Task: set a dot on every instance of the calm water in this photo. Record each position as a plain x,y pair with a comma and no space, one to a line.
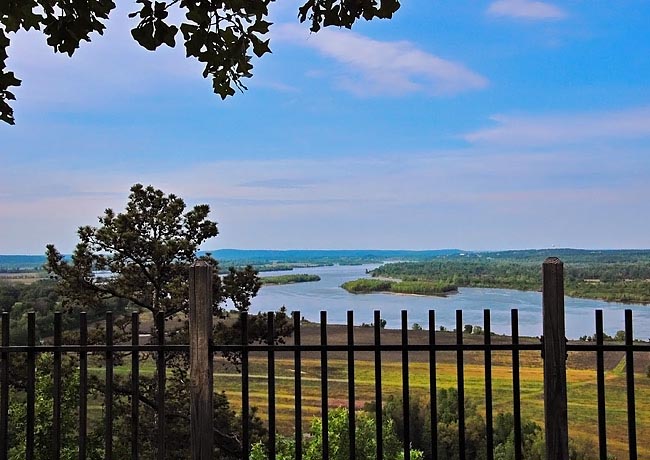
311,298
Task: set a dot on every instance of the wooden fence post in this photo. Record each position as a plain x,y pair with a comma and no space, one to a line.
554,354
201,424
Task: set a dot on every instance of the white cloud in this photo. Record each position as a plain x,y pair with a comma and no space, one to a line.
535,131
526,9
372,67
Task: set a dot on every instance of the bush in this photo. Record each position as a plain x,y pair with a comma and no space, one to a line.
366,443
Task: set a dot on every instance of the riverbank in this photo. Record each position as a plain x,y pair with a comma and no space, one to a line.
595,278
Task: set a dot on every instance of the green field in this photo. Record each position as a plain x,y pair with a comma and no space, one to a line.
582,393
583,421
581,376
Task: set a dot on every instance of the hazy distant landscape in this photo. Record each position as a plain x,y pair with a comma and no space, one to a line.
612,275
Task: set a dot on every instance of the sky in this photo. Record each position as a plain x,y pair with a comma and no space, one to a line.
468,124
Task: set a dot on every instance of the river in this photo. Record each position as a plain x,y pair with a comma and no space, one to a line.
326,294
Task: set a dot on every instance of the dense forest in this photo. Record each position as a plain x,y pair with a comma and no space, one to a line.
622,276
43,298
289,279
417,287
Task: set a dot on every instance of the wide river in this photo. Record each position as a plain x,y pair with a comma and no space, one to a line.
326,294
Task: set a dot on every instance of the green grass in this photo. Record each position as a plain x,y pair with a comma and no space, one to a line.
583,418
581,392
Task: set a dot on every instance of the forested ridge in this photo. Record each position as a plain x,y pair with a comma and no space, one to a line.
622,276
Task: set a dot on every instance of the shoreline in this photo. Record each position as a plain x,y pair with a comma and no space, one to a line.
567,293
443,294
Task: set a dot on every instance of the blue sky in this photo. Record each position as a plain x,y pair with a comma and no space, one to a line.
470,124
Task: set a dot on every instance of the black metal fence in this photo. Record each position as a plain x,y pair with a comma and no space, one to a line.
553,348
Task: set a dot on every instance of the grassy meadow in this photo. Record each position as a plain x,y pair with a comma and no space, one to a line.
583,418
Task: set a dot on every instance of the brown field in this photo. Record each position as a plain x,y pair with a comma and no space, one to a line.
23,278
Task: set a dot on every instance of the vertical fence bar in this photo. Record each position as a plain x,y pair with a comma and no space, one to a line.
629,372
271,386
378,398
554,354
460,373
324,387
83,384
245,401
56,384
406,404
4,391
600,377
352,426
161,377
516,387
433,386
108,389
297,365
31,385
487,340
135,385
201,384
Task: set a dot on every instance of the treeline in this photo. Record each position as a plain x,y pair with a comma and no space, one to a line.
289,279
419,287
597,279
43,298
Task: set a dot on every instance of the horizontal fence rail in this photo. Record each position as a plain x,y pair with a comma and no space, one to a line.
202,353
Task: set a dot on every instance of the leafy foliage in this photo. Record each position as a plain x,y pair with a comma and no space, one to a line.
147,251
65,24
144,254
43,406
290,279
532,436
222,35
364,286
43,298
338,440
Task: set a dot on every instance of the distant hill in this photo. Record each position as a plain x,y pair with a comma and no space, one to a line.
21,262
568,255
266,257
312,256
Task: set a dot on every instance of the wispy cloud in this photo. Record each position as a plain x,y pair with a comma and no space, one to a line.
441,198
526,9
372,67
535,131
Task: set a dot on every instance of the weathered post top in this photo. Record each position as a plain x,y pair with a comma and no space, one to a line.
553,260
200,263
